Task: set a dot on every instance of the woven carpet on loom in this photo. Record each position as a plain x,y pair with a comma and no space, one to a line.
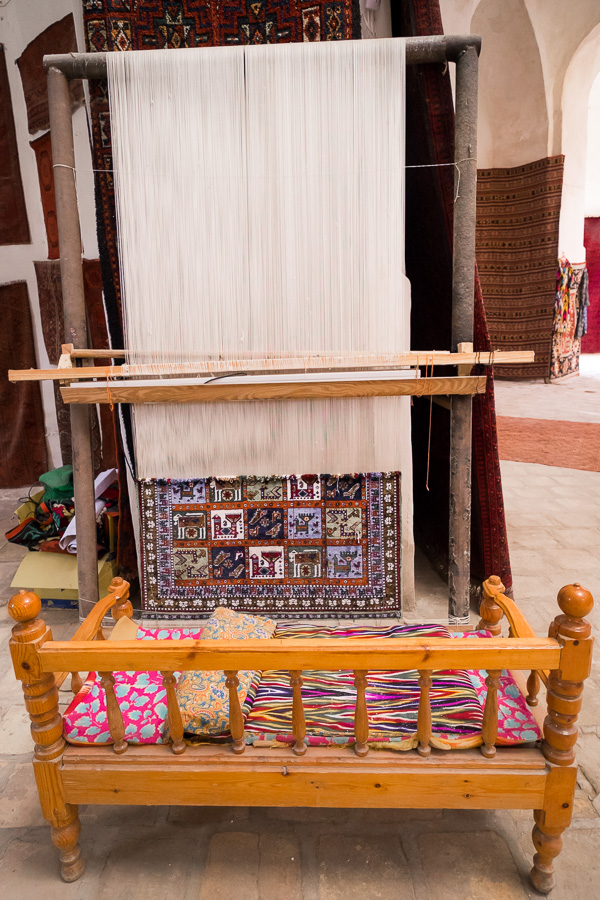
518,212
307,546
590,343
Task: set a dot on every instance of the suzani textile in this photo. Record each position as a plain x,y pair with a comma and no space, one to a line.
300,545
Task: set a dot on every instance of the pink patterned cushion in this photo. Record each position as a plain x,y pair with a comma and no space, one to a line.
141,697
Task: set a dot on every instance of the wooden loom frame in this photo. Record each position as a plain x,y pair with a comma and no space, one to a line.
464,52
541,777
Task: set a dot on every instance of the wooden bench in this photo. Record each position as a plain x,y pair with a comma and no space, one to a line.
540,777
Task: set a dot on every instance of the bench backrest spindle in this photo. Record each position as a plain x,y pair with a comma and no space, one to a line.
236,718
424,714
361,714
173,713
116,725
298,720
533,688
489,731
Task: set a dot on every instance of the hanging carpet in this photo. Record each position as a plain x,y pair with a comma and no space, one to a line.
590,343
518,211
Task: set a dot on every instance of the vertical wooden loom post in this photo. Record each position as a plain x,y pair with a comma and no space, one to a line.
361,714
236,719
463,292
565,690
41,701
298,720
67,212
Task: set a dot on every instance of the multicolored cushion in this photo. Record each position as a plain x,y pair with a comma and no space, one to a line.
204,696
141,697
457,700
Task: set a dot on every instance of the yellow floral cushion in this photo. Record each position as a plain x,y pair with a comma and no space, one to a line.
203,696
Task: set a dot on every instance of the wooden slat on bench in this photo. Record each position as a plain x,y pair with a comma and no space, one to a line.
331,654
332,778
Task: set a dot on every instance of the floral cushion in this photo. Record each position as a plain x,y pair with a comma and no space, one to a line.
141,697
204,696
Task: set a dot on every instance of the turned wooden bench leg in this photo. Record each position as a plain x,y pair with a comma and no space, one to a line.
565,690
41,701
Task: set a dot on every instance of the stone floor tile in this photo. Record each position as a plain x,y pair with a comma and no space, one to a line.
361,866
470,866
15,736
588,757
212,816
279,870
30,870
19,801
232,867
151,863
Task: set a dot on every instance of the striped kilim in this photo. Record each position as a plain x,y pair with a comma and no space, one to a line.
518,212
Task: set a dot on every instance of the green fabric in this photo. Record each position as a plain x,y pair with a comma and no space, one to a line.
58,483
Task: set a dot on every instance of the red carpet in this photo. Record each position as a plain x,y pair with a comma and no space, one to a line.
591,342
572,445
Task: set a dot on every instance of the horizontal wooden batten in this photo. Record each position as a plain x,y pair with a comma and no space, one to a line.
163,392
312,362
331,655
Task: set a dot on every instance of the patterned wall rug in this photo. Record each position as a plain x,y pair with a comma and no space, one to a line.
518,211
308,546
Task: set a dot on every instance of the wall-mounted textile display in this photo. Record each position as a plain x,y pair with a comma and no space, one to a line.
308,546
518,211
590,342
42,148
429,211
23,455
14,227
57,38
570,318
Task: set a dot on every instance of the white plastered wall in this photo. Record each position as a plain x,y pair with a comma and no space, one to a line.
592,180
20,22
535,92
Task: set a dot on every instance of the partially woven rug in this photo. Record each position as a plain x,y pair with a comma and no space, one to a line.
518,212
308,546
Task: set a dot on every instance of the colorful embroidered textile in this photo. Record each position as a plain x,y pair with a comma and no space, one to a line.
568,306
141,697
518,211
14,227
299,545
203,697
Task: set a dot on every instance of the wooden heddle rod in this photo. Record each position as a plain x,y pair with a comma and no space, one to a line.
461,50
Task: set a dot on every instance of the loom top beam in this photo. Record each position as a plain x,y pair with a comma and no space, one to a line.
434,49
282,365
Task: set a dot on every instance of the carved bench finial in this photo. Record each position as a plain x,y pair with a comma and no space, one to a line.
122,606
489,610
24,607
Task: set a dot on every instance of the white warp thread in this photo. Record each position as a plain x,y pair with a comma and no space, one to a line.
260,207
